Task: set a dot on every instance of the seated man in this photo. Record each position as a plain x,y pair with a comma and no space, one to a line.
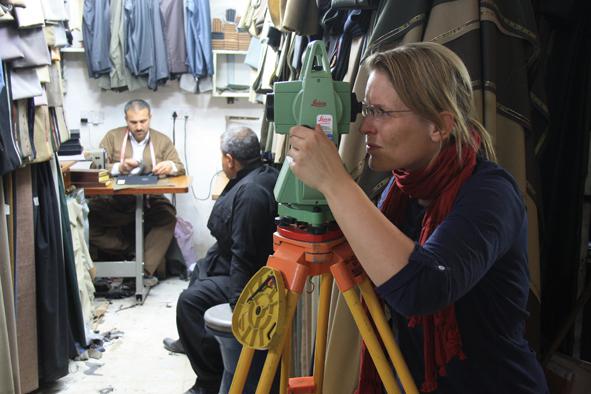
133,149
242,222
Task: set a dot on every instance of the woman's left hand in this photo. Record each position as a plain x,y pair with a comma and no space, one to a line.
314,158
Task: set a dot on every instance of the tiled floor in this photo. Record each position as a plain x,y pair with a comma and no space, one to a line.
136,362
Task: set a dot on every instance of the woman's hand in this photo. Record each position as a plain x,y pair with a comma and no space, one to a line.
314,158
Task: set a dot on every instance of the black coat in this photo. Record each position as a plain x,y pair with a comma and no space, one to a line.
243,222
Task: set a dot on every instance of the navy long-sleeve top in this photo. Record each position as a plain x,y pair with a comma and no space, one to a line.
477,259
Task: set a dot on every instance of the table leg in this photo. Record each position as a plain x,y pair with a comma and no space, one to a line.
139,248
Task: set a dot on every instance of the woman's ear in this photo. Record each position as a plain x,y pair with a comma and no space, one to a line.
443,133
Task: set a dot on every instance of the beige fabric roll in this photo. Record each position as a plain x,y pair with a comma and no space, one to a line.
26,297
43,74
8,344
23,138
42,135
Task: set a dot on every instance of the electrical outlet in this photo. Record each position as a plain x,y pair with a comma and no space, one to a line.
183,112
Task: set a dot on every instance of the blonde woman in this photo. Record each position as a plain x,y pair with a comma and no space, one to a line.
447,246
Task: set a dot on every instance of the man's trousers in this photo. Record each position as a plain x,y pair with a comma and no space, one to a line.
112,228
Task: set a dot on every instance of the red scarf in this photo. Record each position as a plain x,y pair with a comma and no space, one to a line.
439,183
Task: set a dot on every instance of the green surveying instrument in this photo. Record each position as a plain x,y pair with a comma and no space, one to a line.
314,99
308,243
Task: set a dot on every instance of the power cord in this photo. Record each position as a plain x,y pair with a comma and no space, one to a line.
187,165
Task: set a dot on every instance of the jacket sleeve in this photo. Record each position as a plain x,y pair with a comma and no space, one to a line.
169,152
488,219
252,236
108,144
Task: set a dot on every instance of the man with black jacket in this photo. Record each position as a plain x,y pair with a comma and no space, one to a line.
242,222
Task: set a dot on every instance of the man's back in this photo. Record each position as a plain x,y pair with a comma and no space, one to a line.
242,222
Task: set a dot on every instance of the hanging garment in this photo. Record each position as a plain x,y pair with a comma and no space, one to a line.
31,42
300,16
174,35
8,344
75,316
55,35
55,340
356,25
54,10
62,126
198,36
84,264
26,303
43,74
145,52
25,83
54,89
97,36
30,16
9,50
120,78
6,377
22,130
42,134
5,14
10,157
75,11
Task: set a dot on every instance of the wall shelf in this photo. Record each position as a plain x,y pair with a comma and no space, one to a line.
72,50
229,69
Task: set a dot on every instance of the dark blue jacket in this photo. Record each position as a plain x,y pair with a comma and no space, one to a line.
477,259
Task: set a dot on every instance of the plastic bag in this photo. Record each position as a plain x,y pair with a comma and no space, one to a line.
183,232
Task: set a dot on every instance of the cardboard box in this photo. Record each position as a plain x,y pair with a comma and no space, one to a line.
217,44
229,27
231,45
216,24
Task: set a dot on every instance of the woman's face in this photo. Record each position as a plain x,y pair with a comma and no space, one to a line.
395,140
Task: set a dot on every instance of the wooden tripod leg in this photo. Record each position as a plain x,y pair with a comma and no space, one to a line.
321,330
275,352
377,314
241,372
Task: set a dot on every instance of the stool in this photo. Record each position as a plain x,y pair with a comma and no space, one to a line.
218,322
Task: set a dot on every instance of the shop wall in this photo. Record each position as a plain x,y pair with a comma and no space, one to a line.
207,119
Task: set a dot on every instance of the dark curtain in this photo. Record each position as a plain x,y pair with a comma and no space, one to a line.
55,339
562,154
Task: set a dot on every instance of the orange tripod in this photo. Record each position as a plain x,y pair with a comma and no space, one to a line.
264,313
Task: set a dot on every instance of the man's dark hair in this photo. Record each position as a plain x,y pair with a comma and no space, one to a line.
137,105
242,144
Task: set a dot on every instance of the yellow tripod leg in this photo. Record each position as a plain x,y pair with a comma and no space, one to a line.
242,368
321,330
371,341
285,363
275,352
377,313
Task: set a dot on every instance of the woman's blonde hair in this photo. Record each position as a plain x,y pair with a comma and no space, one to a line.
430,78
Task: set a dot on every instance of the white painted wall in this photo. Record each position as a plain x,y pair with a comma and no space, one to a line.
207,120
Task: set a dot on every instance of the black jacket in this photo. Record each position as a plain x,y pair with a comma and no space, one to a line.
243,222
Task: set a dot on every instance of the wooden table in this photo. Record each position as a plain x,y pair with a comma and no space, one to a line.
178,184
